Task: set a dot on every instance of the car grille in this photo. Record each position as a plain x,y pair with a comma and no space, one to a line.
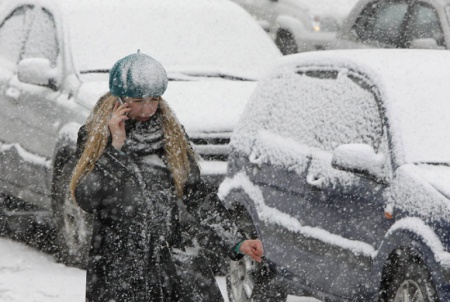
211,146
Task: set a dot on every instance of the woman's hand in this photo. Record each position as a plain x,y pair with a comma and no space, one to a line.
117,125
252,248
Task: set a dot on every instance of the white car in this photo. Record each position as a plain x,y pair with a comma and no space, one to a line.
54,62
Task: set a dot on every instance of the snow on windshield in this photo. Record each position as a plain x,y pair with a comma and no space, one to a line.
410,84
344,113
226,40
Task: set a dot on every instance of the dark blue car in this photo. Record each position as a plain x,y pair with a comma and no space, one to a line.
341,165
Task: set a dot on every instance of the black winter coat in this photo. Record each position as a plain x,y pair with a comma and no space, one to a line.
138,252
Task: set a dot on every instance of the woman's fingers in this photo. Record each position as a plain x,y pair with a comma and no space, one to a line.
117,126
116,121
253,248
119,114
123,109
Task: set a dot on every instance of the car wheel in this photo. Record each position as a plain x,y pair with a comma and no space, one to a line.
286,42
244,286
411,282
73,225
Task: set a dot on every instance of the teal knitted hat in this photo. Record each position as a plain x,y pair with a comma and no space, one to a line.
136,76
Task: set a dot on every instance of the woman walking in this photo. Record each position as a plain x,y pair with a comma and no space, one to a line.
135,163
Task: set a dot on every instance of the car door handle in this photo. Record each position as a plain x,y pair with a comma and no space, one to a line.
255,159
13,93
316,181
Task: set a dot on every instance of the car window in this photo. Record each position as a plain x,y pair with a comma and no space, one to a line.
349,111
13,33
382,22
42,40
322,109
425,23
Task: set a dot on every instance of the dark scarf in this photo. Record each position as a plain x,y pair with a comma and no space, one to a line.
144,138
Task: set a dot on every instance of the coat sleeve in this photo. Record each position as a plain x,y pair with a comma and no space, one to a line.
211,214
101,187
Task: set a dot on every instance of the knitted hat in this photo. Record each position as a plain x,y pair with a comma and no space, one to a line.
136,76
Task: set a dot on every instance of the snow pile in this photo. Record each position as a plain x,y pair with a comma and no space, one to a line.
69,131
25,155
27,275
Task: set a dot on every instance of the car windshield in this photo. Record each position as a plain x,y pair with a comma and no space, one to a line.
226,42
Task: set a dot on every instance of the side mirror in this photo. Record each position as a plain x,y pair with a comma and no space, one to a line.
37,71
425,43
360,159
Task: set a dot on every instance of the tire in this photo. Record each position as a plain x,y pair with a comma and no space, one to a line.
73,225
286,42
244,286
411,281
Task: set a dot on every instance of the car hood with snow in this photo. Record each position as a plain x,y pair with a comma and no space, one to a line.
423,189
208,105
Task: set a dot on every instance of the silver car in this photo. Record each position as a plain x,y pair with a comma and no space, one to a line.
396,24
295,25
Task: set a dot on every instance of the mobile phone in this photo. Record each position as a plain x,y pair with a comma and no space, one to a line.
121,102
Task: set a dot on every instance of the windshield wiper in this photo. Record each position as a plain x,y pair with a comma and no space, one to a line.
434,163
218,75
95,71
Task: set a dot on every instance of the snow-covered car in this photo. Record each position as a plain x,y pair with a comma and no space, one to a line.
54,62
396,24
341,165
299,25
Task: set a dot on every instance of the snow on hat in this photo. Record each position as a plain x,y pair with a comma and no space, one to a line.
136,76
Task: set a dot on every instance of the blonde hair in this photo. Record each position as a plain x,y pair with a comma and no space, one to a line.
177,149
